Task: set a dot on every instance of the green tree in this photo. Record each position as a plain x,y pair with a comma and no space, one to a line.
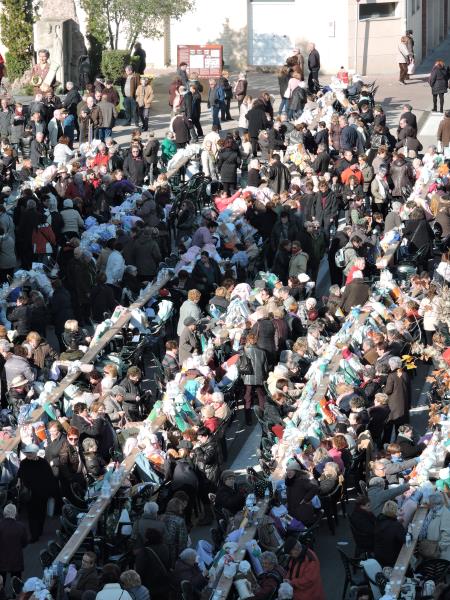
16,32
134,18
96,32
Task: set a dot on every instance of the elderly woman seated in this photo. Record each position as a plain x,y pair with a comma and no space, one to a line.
271,577
389,535
187,569
434,537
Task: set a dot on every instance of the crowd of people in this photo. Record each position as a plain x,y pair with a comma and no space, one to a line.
268,271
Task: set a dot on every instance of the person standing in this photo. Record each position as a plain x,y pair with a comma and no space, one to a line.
314,67
13,539
438,81
144,99
35,475
182,74
240,88
129,91
403,58
109,115
140,52
196,110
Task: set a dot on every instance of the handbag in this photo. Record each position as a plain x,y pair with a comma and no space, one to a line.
428,549
411,67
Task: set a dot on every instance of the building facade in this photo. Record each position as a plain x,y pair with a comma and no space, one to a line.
358,34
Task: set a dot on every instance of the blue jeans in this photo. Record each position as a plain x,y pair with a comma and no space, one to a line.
284,105
215,113
104,132
131,113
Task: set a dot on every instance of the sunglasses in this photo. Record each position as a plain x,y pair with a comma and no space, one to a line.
72,438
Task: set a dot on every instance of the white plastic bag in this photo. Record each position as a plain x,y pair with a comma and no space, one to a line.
411,67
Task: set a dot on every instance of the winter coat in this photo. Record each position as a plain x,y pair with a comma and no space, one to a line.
7,252
109,113
147,212
17,128
209,164
300,491
70,463
52,451
229,498
188,344
304,576
362,523
403,53
181,129
438,80
112,409
408,447
265,332
206,459
13,539
314,60
177,534
279,177
228,163
401,175
326,209
356,293
135,169
113,591
146,255
72,221
443,133
60,308
240,89
188,309
418,233
151,152
20,317
378,496
38,477
85,580
348,138
144,96
38,151
140,527
153,564
187,572
439,531
258,358
389,539
397,389
257,121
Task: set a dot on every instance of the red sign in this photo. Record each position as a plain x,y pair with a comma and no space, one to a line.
204,60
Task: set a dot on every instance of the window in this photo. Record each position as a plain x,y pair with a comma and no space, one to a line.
377,10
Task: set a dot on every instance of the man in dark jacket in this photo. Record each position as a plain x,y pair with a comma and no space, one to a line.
206,457
36,475
189,342
13,539
72,99
196,110
151,155
322,160
405,440
87,578
356,293
228,495
408,116
279,176
131,385
134,167
140,52
348,136
314,68
257,121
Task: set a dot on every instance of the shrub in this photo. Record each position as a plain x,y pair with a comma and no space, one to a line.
16,65
114,63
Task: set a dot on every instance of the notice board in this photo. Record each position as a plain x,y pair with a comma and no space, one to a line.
205,60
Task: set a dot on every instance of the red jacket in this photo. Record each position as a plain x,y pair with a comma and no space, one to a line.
43,239
305,577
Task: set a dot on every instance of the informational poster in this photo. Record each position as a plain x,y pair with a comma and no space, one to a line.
205,60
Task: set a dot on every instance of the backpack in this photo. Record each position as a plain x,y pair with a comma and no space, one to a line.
244,365
339,258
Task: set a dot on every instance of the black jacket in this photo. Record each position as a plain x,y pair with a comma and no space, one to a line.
151,151
228,164
253,178
206,459
389,539
257,121
102,301
314,60
229,498
52,451
439,80
362,523
135,169
279,177
408,447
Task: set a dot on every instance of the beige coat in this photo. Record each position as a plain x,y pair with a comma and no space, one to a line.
144,95
402,53
439,531
443,134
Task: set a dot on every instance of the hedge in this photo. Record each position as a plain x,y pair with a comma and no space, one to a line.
16,65
114,63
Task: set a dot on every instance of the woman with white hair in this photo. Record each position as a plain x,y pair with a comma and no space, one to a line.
187,569
434,537
398,391
14,538
271,577
131,582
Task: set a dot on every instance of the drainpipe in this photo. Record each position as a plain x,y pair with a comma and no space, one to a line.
356,35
